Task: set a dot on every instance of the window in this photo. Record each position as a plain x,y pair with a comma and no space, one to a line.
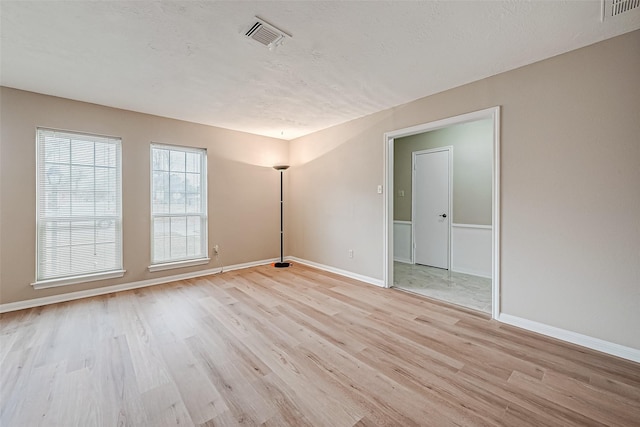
178,207
79,208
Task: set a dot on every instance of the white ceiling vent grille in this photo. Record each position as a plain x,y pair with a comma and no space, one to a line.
612,8
266,34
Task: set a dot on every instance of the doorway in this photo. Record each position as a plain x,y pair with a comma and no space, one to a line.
486,233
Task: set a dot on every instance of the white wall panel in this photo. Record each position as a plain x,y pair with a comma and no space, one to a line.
402,241
471,249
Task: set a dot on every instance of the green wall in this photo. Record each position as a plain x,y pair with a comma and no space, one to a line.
472,167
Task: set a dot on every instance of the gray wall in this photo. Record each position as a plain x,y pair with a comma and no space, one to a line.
472,169
570,187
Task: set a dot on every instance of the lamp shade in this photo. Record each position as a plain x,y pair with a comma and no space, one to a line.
281,167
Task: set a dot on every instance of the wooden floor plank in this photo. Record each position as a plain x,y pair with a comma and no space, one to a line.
295,347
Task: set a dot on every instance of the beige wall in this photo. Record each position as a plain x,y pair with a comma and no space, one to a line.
472,170
243,188
570,187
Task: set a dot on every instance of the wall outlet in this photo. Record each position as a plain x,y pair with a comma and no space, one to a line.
216,249
350,253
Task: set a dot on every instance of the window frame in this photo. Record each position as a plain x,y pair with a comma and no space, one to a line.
43,281
203,258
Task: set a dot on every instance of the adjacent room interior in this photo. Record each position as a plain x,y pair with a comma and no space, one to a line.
319,213
456,266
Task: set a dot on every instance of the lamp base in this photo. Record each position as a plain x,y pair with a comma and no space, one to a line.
282,264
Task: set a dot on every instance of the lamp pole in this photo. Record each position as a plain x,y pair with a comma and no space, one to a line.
281,264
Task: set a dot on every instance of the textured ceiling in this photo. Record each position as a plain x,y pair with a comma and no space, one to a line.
191,61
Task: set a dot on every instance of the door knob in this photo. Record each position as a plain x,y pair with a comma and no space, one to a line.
443,215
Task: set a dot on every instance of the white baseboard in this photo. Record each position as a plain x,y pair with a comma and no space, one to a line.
618,350
471,272
36,302
360,277
402,260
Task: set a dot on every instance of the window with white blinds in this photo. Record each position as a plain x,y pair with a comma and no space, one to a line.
178,205
79,206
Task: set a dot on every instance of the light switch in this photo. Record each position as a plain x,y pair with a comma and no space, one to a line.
379,189
401,193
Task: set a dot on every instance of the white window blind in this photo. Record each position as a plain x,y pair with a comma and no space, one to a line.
79,205
178,204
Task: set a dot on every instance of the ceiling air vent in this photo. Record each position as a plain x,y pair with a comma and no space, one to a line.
612,8
266,34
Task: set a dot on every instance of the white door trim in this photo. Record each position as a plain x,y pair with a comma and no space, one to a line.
387,226
449,149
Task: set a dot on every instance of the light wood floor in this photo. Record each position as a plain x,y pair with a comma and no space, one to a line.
296,347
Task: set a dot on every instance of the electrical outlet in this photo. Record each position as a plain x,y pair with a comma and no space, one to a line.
350,253
216,249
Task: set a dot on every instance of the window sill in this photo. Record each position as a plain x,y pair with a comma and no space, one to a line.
65,281
178,264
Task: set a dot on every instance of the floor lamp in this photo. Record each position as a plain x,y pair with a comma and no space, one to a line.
281,264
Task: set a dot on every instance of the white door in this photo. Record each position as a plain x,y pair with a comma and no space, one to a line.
431,217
